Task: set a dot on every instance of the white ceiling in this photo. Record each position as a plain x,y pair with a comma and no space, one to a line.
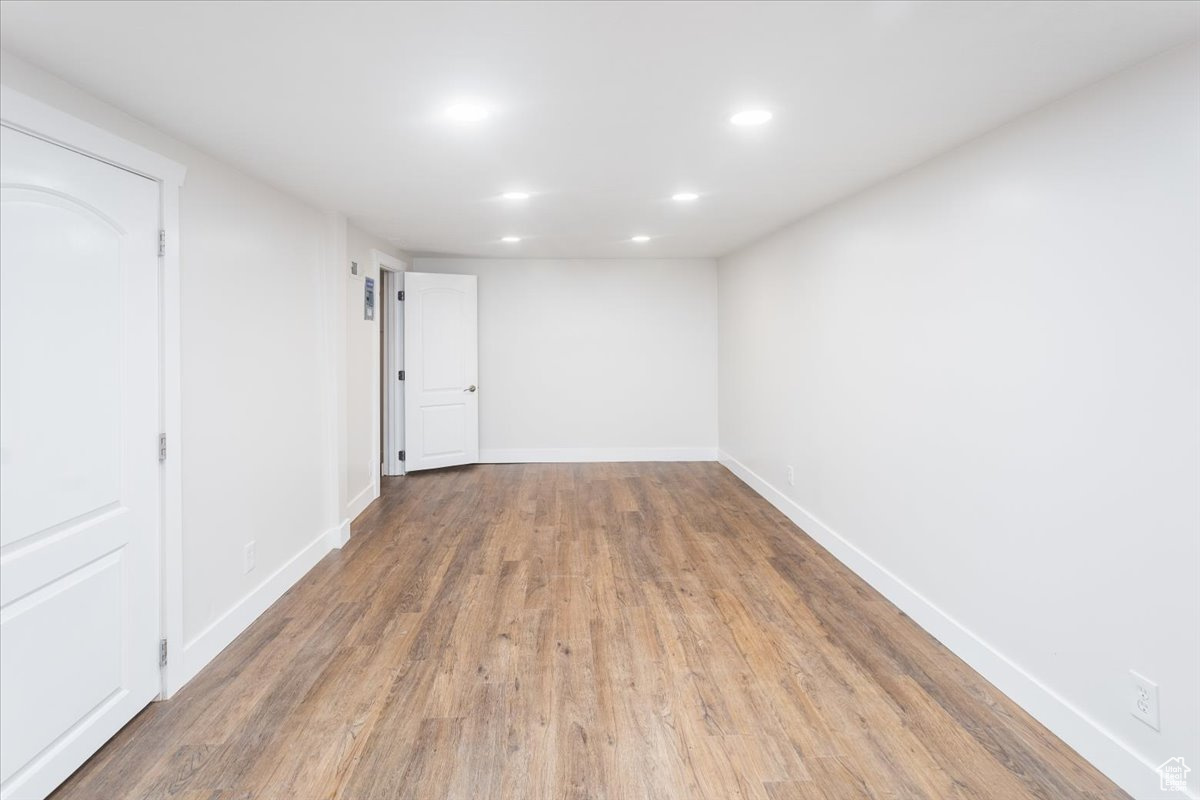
601,109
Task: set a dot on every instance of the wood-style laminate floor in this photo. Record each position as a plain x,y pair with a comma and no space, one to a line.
583,630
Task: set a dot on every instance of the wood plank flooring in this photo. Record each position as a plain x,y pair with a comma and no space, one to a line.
583,631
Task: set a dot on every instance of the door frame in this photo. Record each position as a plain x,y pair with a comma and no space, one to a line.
389,360
27,115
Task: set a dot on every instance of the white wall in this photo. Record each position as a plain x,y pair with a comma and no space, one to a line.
594,359
986,373
258,421
362,365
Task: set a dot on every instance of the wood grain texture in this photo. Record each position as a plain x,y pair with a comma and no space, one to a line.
583,631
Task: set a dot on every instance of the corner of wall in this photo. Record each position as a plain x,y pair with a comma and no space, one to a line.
1091,740
208,644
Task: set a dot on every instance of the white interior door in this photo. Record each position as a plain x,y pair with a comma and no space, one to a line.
441,370
79,411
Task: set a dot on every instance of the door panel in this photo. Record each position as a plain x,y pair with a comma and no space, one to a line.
79,418
49,489
441,363
48,691
444,430
443,357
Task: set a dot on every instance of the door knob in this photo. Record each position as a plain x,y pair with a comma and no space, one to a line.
470,388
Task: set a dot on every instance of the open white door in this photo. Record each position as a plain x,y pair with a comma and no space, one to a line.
441,369
79,470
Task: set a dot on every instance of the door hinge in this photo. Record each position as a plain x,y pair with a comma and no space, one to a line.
401,375
162,243
400,295
401,455
162,447
162,652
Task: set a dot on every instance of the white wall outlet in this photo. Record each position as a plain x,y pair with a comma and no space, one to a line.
791,475
248,557
1144,699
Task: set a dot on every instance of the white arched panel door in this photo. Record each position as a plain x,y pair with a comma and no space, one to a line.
441,367
79,471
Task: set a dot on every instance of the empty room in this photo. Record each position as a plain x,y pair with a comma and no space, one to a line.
731,400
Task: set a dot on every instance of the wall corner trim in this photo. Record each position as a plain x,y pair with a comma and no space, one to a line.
339,536
1092,741
358,504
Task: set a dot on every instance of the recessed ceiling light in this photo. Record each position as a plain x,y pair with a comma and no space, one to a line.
511,239
467,112
756,116
640,238
516,195
684,197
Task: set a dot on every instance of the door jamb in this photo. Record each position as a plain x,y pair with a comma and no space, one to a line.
23,113
391,360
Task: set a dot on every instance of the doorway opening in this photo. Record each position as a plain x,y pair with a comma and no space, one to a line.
388,397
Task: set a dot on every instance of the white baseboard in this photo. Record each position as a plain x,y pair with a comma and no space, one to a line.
337,537
1095,743
360,501
596,454
206,645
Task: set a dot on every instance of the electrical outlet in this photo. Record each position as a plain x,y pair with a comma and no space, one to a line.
1144,699
791,475
248,557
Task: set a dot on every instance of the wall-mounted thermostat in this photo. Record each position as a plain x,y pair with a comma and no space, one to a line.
369,299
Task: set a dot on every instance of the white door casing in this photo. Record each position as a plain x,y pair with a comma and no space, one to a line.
393,398
388,408
441,367
79,471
